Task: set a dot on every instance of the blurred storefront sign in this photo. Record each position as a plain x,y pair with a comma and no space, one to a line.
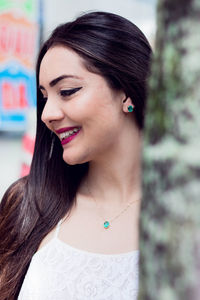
19,39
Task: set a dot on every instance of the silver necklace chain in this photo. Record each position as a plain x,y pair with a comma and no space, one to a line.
107,223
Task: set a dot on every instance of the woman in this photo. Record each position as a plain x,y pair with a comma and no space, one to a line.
69,230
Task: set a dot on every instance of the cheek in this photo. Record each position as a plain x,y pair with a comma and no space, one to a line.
103,130
94,114
77,111
97,104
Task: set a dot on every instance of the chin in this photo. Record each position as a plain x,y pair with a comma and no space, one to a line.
72,160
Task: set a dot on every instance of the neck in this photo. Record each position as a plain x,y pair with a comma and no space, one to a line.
116,176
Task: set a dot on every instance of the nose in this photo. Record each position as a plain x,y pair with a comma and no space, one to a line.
52,112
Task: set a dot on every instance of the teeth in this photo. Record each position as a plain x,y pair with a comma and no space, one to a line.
68,133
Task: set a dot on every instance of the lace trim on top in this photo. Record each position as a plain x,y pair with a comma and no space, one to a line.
62,272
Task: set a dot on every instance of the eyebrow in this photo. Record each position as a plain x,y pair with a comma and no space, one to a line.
56,80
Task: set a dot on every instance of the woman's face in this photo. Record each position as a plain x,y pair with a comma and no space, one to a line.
80,107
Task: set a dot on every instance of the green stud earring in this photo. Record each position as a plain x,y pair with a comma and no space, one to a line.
130,108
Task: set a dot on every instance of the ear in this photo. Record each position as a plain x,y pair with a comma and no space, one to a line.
127,102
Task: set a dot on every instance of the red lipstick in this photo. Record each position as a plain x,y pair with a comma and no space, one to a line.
69,138
61,130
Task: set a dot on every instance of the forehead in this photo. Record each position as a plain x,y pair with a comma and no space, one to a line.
61,60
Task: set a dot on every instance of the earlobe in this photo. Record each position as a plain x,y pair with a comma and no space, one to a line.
130,108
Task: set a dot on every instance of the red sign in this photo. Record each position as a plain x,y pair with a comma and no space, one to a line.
17,39
14,96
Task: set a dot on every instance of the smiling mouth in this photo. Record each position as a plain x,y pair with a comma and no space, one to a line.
66,134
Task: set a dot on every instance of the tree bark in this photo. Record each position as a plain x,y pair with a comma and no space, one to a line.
170,214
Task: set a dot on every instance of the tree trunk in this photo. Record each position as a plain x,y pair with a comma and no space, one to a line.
170,215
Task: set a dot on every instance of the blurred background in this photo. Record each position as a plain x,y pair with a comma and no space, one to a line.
24,25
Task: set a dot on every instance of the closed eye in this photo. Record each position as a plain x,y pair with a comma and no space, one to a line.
65,93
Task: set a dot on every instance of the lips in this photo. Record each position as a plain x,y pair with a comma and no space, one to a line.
66,134
67,139
61,130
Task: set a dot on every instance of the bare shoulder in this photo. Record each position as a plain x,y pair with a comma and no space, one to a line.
51,234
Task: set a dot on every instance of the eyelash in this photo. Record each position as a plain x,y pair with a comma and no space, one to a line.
65,93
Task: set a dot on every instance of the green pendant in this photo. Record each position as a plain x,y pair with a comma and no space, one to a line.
106,224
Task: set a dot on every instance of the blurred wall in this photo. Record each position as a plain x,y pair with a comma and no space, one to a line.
140,12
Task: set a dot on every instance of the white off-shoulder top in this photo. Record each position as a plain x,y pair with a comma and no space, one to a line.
59,271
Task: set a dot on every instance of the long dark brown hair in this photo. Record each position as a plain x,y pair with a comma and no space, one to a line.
113,47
